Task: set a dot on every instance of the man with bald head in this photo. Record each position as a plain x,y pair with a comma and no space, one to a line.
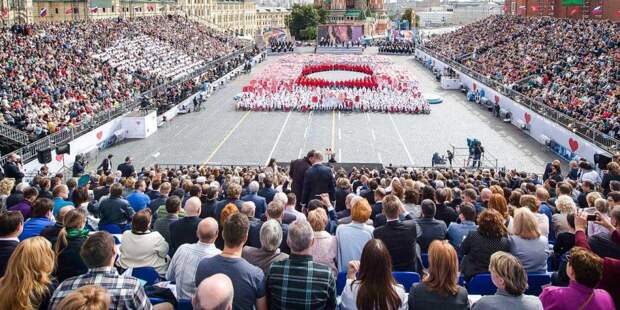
182,268
214,293
184,230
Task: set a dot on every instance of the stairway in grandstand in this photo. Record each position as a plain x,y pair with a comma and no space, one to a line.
11,138
339,50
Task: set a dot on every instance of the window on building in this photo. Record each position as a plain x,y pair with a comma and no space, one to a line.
56,11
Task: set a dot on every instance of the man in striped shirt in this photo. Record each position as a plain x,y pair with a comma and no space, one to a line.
298,282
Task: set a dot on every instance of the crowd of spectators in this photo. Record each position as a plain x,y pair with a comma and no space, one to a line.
54,75
398,47
571,65
280,238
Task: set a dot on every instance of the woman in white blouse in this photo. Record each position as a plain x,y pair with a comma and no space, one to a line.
141,247
370,282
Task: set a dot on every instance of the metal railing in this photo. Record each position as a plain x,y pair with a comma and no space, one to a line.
583,130
67,134
13,134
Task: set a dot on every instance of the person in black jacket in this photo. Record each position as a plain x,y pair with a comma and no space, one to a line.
106,165
613,174
126,168
399,236
297,172
184,229
115,210
67,248
444,212
318,179
12,168
11,226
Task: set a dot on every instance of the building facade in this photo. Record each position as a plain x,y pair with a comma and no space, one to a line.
600,9
271,17
368,13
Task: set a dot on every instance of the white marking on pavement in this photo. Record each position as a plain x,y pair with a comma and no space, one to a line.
380,159
340,155
339,134
402,141
372,132
278,138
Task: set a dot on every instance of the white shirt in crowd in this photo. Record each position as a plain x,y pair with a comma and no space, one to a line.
183,266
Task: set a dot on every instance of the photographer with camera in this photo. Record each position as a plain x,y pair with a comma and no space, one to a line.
79,165
13,168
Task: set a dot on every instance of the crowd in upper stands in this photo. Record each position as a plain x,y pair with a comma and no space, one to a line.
53,75
299,236
572,65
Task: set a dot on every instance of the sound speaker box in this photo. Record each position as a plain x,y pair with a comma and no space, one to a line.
44,156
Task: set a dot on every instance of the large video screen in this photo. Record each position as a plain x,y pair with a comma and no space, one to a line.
340,33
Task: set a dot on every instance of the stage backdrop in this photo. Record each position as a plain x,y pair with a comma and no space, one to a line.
340,33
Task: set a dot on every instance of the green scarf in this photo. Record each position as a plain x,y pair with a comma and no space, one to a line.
76,233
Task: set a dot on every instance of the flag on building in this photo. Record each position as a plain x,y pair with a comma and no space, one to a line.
534,8
94,10
597,10
69,10
574,10
43,12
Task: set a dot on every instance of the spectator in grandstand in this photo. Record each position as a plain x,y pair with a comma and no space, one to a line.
377,207
13,168
67,247
443,211
480,244
602,213
51,232
182,268
88,297
343,188
260,203
607,244
268,252
6,186
352,237
530,202
370,283
184,229
115,210
565,240
290,213
40,217
267,192
412,203
439,288
25,206
106,165
325,246
11,226
28,282
588,173
142,247
510,278
298,281
61,194
99,254
565,205
215,292
587,187
498,203
138,200
318,179
255,225
233,192
162,224
209,200
275,209
399,236
17,195
457,231
156,203
126,168
585,271
297,171
613,174
247,279
431,228
526,242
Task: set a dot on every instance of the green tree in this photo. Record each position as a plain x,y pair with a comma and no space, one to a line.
407,16
304,19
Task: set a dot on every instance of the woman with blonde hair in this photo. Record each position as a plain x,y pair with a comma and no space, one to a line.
565,205
68,245
325,246
89,297
526,242
530,202
510,278
6,186
27,282
439,288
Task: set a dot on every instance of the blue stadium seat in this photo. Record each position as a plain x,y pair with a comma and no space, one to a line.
461,280
407,279
424,257
148,274
155,300
536,281
481,284
111,228
341,281
184,304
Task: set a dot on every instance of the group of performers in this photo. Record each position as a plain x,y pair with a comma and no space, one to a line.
406,48
306,99
309,69
281,47
367,82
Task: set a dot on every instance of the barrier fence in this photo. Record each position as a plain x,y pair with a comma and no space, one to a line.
585,131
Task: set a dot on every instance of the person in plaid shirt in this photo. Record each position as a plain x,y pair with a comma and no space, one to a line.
99,254
298,282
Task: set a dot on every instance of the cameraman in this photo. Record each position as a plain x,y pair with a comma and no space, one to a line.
13,168
78,165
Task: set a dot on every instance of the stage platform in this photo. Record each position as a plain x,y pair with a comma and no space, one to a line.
356,50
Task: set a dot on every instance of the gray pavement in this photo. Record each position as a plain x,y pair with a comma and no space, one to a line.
220,134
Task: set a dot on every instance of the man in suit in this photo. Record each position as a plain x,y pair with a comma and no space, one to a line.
106,165
12,168
11,226
248,209
297,172
233,192
259,202
398,236
126,168
432,229
377,207
184,230
318,179
267,191
443,212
